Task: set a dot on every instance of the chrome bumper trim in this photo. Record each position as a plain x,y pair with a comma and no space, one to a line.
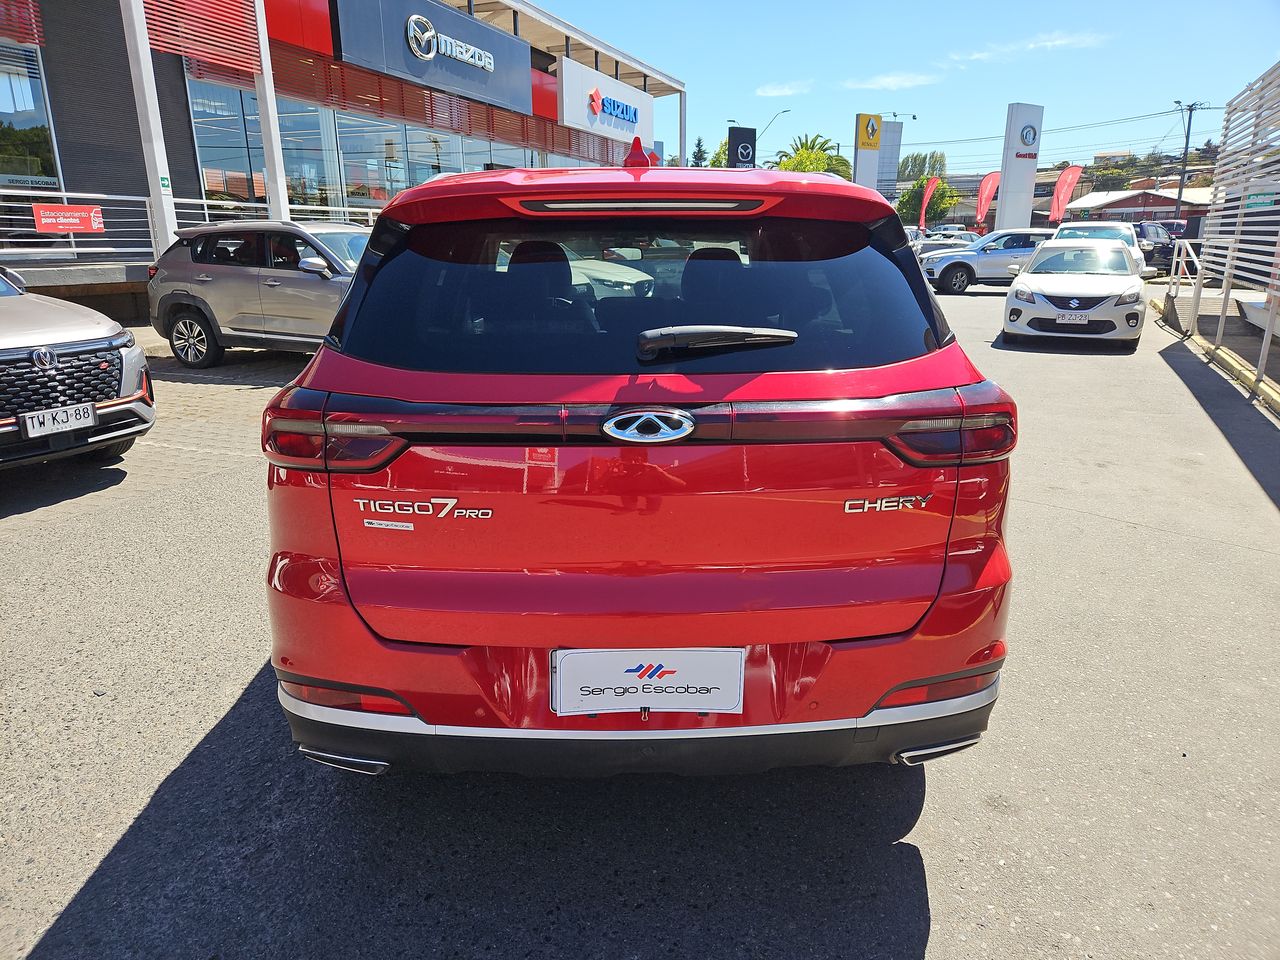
391,723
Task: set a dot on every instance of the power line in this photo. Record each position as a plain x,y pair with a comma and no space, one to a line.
1058,150
1079,126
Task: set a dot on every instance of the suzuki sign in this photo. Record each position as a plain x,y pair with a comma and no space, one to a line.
597,103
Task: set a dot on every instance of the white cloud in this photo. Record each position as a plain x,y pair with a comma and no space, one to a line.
892,81
1041,41
789,89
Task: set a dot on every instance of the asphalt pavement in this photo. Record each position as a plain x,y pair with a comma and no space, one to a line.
1123,804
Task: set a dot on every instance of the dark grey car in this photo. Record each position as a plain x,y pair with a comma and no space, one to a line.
259,283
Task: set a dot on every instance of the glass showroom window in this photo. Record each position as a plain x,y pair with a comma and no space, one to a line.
374,164
26,142
310,154
431,152
227,171
506,157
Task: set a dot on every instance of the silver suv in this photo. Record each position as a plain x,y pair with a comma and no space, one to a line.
986,260
72,381
257,283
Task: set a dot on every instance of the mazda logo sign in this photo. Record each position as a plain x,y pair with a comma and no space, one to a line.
44,358
655,425
421,36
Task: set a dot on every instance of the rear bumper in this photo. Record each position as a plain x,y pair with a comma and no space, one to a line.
373,743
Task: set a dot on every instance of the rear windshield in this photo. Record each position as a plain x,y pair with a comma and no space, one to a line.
565,296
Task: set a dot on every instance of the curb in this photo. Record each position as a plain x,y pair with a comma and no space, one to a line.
1232,363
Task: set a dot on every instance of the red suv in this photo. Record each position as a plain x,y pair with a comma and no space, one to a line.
605,470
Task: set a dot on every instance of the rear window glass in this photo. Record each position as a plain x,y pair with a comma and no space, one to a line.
561,296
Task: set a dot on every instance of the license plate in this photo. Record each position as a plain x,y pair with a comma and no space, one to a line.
59,420
1073,318
700,680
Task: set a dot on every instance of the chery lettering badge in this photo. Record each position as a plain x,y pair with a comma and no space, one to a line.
530,514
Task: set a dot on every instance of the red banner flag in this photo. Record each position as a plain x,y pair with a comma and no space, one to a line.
928,195
1067,181
987,193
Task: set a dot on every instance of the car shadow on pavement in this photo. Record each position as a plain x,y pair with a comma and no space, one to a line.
27,488
1251,433
1065,346
247,850
249,368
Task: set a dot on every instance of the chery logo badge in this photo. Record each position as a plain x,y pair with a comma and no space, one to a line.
647,671
649,426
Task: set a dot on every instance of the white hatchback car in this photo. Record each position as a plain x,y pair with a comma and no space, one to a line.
1078,288
1106,230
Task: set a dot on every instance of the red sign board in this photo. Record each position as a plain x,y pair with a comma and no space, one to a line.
67,218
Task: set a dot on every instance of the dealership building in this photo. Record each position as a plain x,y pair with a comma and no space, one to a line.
181,111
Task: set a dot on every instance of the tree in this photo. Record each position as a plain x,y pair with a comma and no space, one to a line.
721,157
914,165
944,198
673,160
836,162
1111,178
806,161
699,156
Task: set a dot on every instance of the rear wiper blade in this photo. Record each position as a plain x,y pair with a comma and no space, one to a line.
649,343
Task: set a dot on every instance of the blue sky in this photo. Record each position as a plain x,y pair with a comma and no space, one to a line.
953,67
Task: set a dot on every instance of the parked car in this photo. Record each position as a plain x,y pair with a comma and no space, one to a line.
72,381
252,284
948,228
986,260
1176,228
1078,288
952,240
1156,244
594,277
753,522
1104,230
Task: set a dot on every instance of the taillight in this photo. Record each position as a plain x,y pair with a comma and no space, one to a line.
955,440
939,690
345,699
152,270
987,431
296,435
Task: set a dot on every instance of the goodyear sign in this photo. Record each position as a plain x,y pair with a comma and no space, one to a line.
868,131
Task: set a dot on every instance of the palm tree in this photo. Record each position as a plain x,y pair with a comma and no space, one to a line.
837,163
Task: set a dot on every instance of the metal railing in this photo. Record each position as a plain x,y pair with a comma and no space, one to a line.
126,228
126,233
194,212
1241,242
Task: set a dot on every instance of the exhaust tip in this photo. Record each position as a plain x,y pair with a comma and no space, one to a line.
370,768
912,758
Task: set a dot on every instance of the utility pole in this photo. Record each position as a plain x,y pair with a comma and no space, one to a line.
1189,113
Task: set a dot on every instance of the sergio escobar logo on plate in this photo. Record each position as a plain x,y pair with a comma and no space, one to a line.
704,680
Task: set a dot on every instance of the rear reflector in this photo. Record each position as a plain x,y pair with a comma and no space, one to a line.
345,699
941,690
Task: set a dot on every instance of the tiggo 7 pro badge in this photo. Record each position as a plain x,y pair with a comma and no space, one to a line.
440,508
